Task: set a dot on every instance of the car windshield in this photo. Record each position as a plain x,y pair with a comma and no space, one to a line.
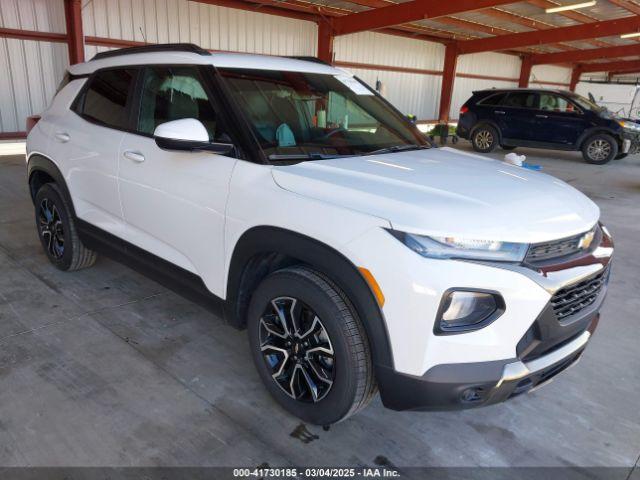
312,116
585,103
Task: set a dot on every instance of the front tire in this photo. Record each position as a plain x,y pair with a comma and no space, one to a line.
484,139
599,149
309,346
57,231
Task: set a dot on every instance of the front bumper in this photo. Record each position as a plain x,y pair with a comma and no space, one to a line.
630,143
469,385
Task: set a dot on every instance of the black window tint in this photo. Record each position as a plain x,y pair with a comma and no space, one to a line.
174,93
105,99
493,100
521,100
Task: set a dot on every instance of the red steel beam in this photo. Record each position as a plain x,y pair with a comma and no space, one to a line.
621,66
525,72
575,78
33,35
585,55
325,42
75,36
448,77
555,35
407,12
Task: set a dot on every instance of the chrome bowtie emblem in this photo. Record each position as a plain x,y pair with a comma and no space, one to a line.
586,239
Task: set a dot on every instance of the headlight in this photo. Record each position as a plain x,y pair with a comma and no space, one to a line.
629,125
459,247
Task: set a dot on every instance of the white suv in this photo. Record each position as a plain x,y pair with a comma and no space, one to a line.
292,198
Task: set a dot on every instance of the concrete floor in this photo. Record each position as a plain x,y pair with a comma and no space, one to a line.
104,367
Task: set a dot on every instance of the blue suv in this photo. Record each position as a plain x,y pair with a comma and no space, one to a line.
552,119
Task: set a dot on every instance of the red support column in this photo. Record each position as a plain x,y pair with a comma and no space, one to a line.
75,35
525,72
325,41
575,78
448,77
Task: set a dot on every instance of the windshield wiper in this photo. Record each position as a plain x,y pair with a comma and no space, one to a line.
303,156
398,148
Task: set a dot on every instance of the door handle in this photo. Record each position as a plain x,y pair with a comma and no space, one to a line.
499,112
542,116
134,156
62,137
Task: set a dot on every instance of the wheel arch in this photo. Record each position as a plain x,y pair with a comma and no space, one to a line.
486,122
262,250
42,170
587,134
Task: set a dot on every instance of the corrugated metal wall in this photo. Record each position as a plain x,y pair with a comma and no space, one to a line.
551,73
412,93
416,93
29,71
35,68
212,27
489,64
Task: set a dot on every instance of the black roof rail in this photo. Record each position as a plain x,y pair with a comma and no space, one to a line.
309,59
162,47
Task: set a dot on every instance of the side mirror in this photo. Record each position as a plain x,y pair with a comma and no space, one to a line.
187,134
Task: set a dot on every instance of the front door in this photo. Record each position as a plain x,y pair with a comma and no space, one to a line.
174,201
560,121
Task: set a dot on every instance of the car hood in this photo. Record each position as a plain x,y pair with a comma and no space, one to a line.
444,192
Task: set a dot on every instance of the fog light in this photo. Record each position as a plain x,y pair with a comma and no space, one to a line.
465,310
472,395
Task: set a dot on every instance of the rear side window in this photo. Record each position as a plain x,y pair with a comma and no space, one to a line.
106,98
493,100
520,100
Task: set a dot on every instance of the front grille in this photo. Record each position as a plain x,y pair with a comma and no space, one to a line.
539,252
571,300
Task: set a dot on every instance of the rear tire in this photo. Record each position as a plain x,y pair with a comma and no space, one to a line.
320,371
57,231
599,149
484,139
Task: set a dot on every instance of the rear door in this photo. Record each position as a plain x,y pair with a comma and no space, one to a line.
560,122
174,201
85,141
516,117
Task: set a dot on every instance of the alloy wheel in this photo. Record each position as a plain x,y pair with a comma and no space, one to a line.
297,350
599,150
51,228
484,139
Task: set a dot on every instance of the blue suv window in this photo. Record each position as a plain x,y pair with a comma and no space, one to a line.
521,100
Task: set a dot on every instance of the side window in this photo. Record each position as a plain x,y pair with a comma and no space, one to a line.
493,100
105,99
520,100
556,103
174,93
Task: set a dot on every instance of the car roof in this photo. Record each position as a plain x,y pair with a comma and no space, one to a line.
138,56
519,89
